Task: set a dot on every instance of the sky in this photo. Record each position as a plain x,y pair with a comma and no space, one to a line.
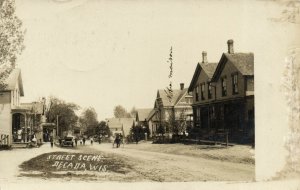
106,53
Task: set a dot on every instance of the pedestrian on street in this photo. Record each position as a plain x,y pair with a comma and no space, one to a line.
80,141
51,141
75,141
83,140
136,140
117,140
92,140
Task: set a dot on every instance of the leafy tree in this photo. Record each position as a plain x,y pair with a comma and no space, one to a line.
88,121
177,125
121,112
103,129
133,112
67,117
138,132
11,38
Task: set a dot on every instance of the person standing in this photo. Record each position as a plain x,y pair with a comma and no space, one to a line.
83,140
76,141
92,140
51,141
136,139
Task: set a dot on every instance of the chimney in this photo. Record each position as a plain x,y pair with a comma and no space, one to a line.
204,57
230,46
181,86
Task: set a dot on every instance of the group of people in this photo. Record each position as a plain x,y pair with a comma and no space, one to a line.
81,141
118,140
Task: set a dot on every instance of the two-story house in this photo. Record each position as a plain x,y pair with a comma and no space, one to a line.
203,95
177,107
231,106
19,122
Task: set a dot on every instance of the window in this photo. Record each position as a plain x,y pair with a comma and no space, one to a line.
235,83
197,93
224,86
202,91
198,114
209,91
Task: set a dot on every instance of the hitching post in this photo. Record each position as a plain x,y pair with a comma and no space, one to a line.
226,139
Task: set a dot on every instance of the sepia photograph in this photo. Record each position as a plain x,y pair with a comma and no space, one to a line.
148,91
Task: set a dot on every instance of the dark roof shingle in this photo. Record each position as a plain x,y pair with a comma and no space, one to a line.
177,94
244,62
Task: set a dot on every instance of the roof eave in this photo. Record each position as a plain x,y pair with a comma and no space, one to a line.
215,75
194,79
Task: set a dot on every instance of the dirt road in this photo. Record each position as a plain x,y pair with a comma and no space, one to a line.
139,164
156,166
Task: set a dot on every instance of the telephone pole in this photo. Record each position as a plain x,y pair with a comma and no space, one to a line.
56,125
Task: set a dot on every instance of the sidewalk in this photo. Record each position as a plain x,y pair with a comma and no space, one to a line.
11,159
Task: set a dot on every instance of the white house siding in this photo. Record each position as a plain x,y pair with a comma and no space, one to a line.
5,117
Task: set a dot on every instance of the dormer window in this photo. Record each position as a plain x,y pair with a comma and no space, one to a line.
224,86
234,83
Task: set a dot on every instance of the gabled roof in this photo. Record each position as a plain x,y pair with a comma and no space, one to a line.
244,63
142,114
177,95
208,68
151,114
11,81
118,123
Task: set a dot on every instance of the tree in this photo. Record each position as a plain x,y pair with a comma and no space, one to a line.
88,121
11,39
67,117
177,124
121,112
138,132
103,129
133,112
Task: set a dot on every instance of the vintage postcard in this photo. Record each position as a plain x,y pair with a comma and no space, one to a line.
140,94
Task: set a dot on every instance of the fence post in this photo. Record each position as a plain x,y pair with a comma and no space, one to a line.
226,139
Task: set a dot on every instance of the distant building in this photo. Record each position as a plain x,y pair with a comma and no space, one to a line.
142,119
120,125
178,106
224,96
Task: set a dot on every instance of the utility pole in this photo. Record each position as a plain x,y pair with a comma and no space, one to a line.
56,125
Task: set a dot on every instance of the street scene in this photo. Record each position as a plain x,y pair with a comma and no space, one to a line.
94,98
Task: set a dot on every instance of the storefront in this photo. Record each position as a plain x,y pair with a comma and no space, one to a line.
21,125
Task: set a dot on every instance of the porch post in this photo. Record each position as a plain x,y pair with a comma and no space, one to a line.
31,126
25,127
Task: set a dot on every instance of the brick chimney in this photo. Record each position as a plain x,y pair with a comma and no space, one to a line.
181,86
230,46
204,57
